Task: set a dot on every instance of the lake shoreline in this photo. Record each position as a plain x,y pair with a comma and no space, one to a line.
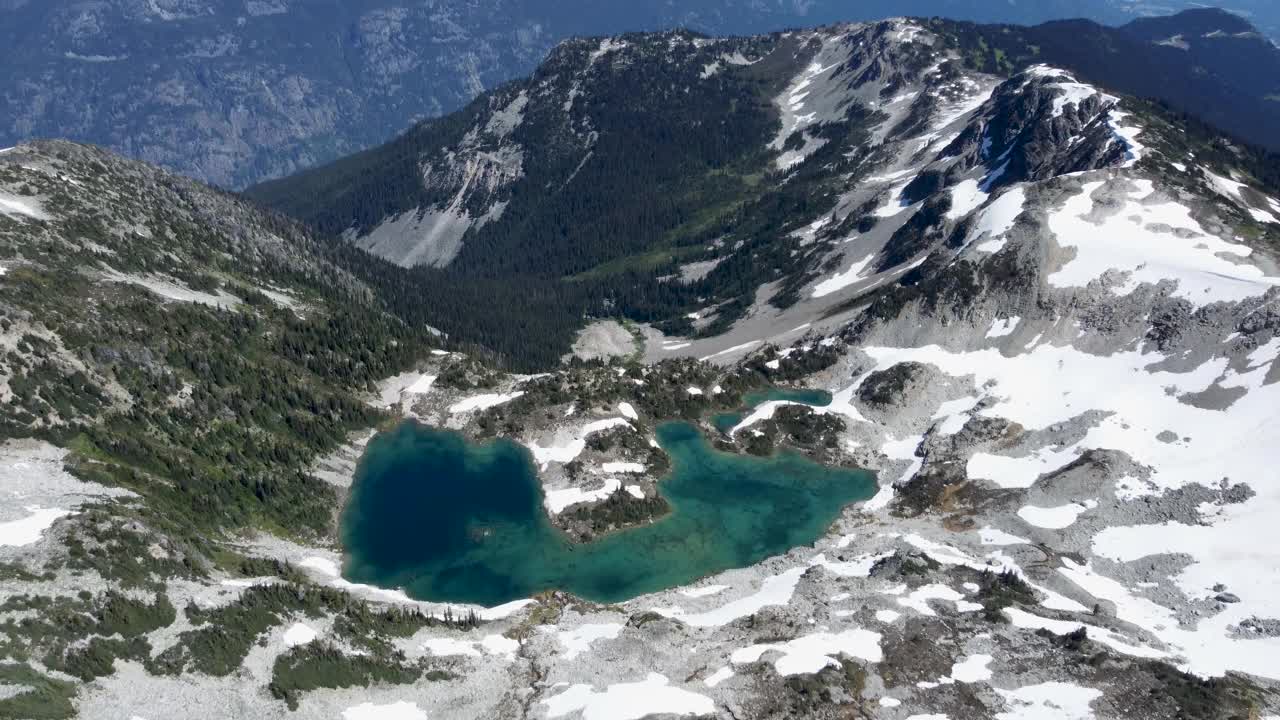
699,530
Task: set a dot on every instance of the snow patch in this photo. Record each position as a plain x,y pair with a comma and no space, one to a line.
972,669
733,350
557,500
995,536
919,599
1057,700
703,591
1235,191
1151,242
774,590
28,530
421,385
810,653
483,402
1001,327
794,118
1023,619
172,290
718,677
629,701
997,219
400,710
579,639
966,197
545,455
1011,473
505,610
607,45
18,207
299,634
843,279
1054,518
623,467
494,645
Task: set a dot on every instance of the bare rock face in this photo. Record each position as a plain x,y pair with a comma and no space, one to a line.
1031,133
886,387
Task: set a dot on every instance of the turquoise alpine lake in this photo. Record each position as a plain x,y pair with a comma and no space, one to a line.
451,521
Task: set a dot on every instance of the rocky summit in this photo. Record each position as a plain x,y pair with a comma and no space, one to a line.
1045,313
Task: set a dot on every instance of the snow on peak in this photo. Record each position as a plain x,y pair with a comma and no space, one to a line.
607,45
1070,90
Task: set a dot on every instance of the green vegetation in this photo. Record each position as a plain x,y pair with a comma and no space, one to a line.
833,691
130,618
97,658
804,428
1231,697
997,591
619,510
321,665
256,567
883,387
224,635
213,415
44,699
12,572
646,262
105,542
84,636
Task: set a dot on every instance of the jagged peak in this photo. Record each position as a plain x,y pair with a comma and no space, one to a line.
1045,122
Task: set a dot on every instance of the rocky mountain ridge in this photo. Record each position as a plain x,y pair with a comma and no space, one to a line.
234,92
524,192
